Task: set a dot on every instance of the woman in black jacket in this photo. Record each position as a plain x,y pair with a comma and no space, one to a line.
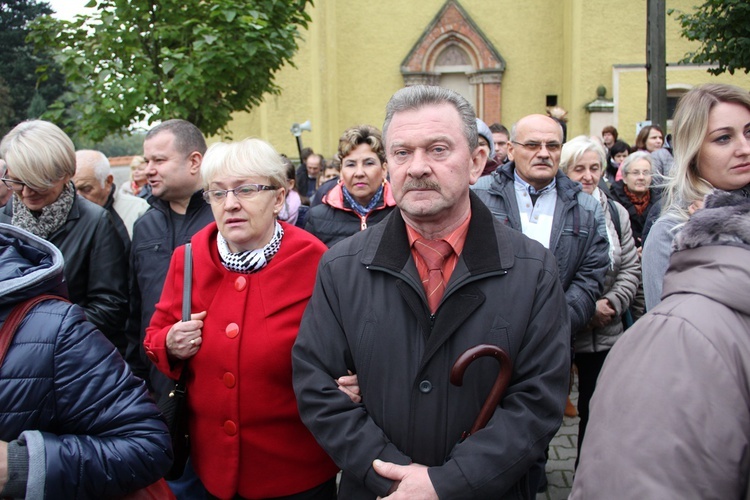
40,164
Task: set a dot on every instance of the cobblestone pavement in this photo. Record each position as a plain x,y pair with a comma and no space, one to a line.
562,456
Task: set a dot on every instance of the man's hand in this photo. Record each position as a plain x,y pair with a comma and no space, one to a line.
604,314
3,464
411,481
348,385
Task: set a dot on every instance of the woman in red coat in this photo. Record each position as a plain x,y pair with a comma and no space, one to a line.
252,278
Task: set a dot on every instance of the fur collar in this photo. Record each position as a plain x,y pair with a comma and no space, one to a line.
724,221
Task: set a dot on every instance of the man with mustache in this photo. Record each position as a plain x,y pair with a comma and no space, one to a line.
397,304
531,195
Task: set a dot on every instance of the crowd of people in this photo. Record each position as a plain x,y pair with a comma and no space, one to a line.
319,313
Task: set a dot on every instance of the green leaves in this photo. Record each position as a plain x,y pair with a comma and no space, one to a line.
163,59
723,29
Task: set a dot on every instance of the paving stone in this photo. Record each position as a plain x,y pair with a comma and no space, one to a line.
562,455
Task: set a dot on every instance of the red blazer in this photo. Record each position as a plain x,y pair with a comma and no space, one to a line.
246,434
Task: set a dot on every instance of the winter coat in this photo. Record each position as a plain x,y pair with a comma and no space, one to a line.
637,222
620,283
333,220
96,266
246,434
369,314
578,238
670,417
154,240
89,427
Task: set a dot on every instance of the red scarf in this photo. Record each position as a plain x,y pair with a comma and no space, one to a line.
639,202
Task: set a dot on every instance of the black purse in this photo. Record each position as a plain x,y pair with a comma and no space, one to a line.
173,405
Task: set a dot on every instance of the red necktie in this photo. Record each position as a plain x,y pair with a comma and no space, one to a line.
433,252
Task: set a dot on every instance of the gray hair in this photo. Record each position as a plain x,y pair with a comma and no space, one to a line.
188,138
247,158
419,96
634,157
39,153
575,148
98,161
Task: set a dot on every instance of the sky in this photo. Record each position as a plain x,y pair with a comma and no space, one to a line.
67,9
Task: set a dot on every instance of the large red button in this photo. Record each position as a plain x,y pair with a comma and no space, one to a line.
230,428
152,356
232,330
229,380
240,283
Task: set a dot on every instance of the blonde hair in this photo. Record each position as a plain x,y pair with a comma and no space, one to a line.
685,185
247,158
39,153
574,149
137,161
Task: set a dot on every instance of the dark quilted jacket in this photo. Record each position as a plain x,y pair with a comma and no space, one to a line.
90,428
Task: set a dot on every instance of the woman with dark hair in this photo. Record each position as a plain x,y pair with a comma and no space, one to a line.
615,156
292,202
363,195
650,138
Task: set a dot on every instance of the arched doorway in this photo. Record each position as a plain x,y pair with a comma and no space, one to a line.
454,53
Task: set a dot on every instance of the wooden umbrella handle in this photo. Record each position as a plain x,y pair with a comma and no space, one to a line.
498,389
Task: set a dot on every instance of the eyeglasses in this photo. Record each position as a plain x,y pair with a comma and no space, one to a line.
244,192
552,147
16,186
638,173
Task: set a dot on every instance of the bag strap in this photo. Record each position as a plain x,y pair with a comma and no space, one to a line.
12,322
615,217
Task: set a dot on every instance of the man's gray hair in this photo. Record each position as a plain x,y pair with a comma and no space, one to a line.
188,137
98,161
419,96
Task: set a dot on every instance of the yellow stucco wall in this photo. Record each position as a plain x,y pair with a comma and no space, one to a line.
349,61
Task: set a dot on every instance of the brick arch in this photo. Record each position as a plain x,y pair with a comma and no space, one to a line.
453,28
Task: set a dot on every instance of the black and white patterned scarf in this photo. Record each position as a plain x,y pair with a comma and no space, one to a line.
49,219
250,261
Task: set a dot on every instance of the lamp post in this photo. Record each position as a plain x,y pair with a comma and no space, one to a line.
297,132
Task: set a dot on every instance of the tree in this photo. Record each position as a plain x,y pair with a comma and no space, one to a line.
723,29
150,60
114,144
7,115
19,61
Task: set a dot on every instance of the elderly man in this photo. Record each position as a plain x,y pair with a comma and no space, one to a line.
95,182
384,309
531,195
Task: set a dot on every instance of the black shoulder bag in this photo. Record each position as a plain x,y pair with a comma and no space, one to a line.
174,404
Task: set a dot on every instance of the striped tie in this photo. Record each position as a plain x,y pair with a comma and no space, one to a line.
433,252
